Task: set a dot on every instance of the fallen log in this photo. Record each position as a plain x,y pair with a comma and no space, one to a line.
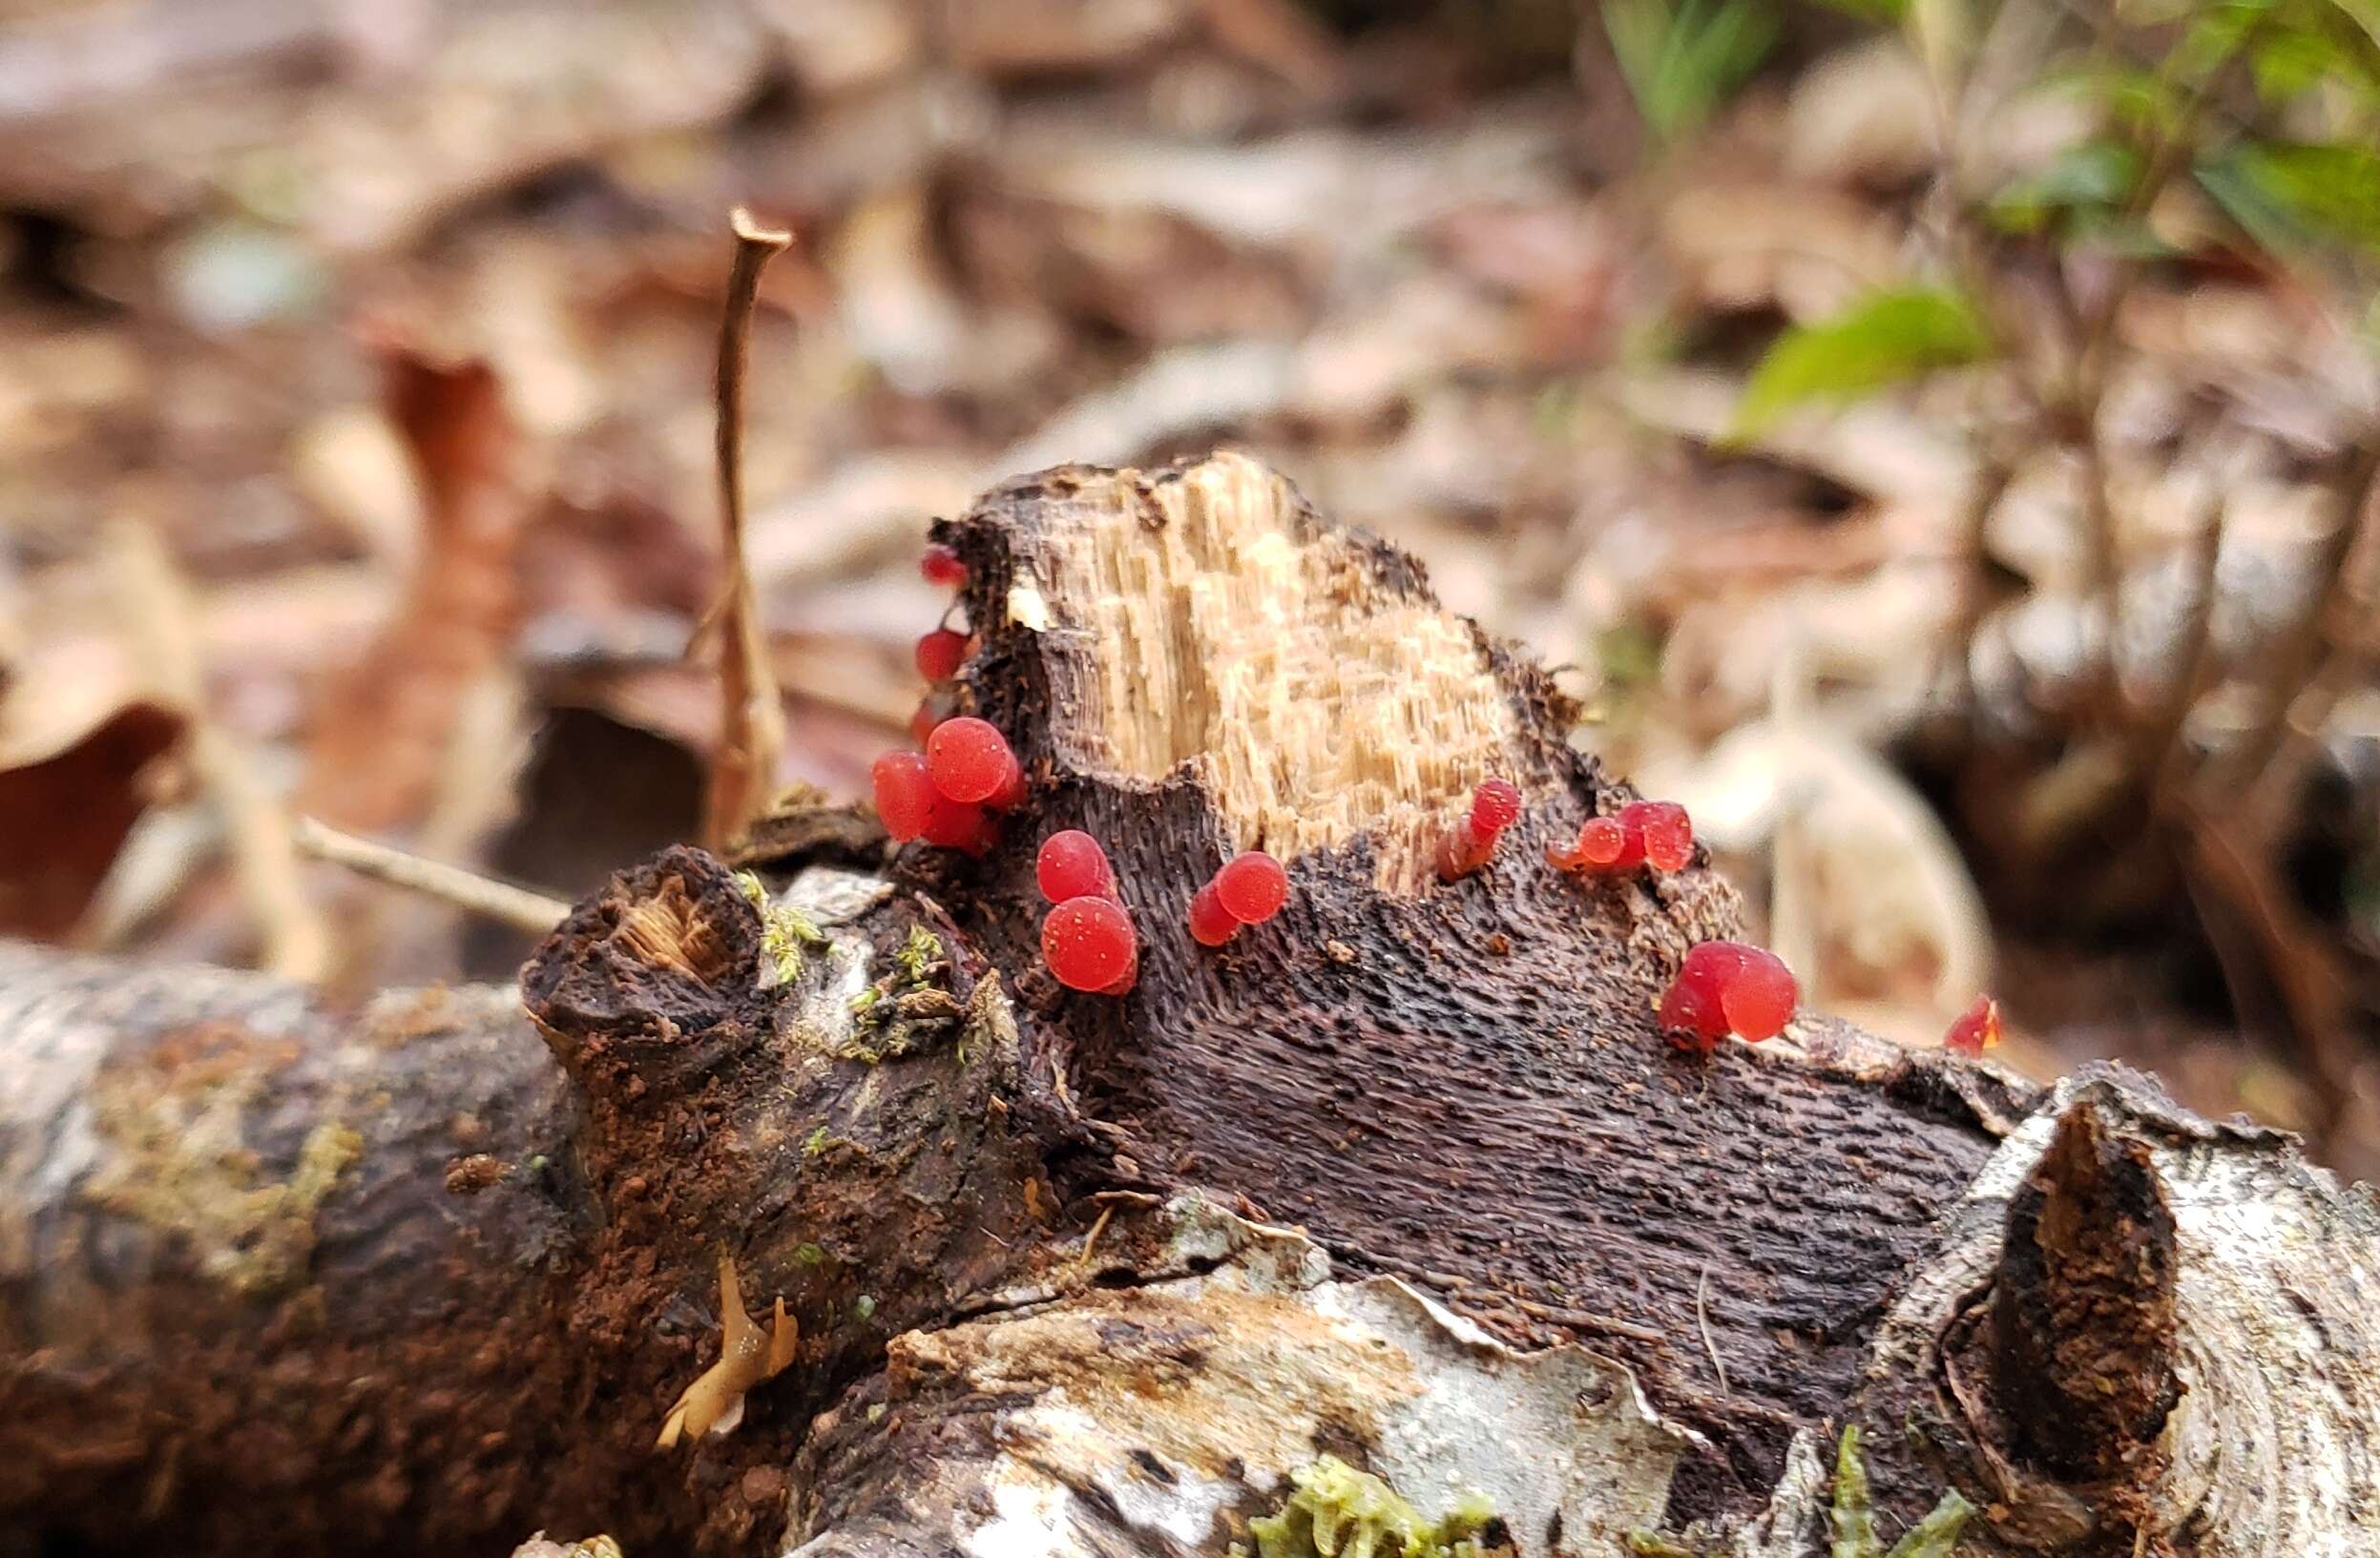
1393,1213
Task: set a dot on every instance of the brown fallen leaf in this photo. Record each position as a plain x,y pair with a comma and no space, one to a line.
64,813
383,725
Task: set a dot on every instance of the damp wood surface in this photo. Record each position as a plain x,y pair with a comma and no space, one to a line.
1404,1177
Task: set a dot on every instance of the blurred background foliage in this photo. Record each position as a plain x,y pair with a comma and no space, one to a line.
1935,437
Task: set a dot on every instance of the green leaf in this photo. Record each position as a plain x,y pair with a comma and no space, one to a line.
1681,63
1935,1535
2095,175
2217,33
2137,98
1889,338
1853,1520
2295,61
2287,196
1885,12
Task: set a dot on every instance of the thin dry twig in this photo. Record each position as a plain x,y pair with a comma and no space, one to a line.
1992,476
2300,957
160,617
752,730
498,901
2289,666
2092,336
1090,1240
2159,747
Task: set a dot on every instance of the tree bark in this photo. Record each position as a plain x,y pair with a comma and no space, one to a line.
269,1278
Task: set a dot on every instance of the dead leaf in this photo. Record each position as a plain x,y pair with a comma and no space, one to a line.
382,724
64,813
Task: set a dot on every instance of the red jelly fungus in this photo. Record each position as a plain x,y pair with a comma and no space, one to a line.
942,565
1211,924
1976,1029
1604,846
1745,989
921,723
940,654
1252,886
1712,965
1463,851
960,824
1666,832
1494,806
1089,943
905,794
1690,1015
1071,864
1759,1000
969,760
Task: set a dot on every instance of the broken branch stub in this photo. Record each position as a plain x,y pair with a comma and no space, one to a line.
2193,1293
2082,1310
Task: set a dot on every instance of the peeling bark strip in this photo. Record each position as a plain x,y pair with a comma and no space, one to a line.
272,1280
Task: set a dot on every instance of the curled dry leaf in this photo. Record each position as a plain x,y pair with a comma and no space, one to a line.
383,725
69,794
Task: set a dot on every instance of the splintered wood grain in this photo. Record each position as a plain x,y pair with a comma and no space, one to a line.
1203,616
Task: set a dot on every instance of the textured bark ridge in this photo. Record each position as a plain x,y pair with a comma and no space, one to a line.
1403,1178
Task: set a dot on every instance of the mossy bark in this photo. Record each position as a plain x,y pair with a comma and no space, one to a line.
271,1278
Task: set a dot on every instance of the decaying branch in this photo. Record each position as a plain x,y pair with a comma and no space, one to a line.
1402,1182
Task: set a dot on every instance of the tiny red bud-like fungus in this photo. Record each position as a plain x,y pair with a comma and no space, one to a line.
1463,851
1976,1029
1758,1000
905,794
960,824
1071,864
1494,806
1252,885
1690,1016
1089,944
1605,847
1724,987
1665,832
940,654
1011,791
970,760
1211,924
942,565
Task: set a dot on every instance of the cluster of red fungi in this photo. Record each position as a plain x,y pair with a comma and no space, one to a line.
951,793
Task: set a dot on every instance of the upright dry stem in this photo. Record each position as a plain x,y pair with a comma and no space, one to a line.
752,729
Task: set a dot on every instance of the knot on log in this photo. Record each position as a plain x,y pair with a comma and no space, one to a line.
2081,1329
653,980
